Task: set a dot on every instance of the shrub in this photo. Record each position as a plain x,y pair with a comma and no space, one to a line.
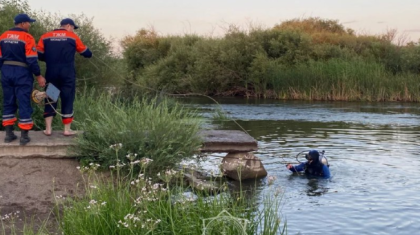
150,127
265,63
314,25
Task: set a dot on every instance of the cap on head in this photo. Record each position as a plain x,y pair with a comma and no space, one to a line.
313,155
69,21
21,18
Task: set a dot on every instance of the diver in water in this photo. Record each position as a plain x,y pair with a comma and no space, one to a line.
313,166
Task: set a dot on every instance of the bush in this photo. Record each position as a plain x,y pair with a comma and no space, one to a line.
266,63
155,128
313,25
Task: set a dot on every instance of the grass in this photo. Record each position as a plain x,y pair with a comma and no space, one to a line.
125,201
352,80
153,127
131,203
9,225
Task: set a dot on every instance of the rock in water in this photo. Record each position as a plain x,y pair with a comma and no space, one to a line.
242,166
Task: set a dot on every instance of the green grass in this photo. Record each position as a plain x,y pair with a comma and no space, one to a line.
10,225
125,201
345,80
128,203
155,127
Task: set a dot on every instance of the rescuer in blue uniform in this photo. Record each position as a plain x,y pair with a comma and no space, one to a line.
58,48
313,166
18,61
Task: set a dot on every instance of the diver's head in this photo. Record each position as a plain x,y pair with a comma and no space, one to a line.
313,155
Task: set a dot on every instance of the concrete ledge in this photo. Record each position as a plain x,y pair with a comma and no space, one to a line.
57,145
41,146
227,141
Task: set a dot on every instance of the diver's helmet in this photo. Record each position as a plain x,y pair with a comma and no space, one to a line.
315,155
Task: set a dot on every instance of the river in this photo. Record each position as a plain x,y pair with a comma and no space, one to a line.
373,152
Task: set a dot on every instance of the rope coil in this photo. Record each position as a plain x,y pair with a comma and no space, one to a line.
39,96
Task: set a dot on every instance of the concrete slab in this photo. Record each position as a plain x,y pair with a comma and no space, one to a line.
57,145
227,141
54,146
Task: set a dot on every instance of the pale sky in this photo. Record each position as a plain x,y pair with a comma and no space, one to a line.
119,18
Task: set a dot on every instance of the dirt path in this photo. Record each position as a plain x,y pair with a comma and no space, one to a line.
30,185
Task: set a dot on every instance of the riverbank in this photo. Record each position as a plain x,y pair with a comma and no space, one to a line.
299,59
50,196
29,189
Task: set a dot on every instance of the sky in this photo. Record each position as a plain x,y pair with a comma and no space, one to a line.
119,18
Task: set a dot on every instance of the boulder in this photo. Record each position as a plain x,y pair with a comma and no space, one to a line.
209,187
242,166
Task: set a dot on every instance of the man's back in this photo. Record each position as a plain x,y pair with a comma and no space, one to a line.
58,47
17,45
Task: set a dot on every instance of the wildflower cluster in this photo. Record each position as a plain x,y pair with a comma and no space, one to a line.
169,174
95,206
116,146
10,216
138,220
131,156
148,191
119,165
60,197
145,161
271,179
91,167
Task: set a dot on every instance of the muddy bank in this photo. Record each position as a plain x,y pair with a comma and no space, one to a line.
29,186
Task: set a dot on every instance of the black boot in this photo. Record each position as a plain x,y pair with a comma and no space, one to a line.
10,136
24,138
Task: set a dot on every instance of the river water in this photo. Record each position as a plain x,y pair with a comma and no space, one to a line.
373,151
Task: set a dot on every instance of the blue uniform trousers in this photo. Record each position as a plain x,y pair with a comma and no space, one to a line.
64,78
17,83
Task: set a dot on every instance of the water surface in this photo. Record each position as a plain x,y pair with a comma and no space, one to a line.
373,151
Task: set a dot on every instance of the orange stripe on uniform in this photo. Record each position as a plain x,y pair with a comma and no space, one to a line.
40,47
25,126
80,47
9,122
67,120
30,46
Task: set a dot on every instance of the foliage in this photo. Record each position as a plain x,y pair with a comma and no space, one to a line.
314,25
150,127
267,62
136,205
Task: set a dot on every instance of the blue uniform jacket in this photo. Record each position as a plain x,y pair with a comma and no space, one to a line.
301,167
58,47
19,46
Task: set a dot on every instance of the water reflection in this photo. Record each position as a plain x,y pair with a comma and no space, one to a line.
314,189
315,186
